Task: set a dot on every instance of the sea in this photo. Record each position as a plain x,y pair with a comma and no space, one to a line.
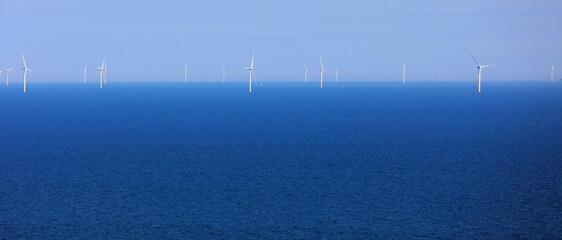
362,160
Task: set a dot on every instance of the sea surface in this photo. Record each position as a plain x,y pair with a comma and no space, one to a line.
288,161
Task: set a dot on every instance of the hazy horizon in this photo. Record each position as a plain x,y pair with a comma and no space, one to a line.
367,41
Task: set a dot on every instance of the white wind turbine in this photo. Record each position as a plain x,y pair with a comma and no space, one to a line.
8,75
305,73
185,76
101,73
404,73
337,71
479,67
223,73
25,69
251,69
552,74
0,74
85,66
322,70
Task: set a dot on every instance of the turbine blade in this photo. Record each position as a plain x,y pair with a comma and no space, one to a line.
489,65
252,65
475,59
321,65
30,70
23,58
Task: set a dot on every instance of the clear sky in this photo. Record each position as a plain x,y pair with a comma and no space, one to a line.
368,40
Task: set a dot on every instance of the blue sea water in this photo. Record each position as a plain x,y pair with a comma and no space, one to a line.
288,161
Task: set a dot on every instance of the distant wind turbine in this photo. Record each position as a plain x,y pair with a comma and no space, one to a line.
223,73
8,75
0,74
85,66
305,73
101,73
337,71
404,73
25,69
251,69
552,74
322,70
185,76
479,67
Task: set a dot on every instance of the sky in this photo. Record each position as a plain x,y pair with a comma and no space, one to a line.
367,40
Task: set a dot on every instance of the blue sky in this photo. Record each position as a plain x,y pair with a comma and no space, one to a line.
367,40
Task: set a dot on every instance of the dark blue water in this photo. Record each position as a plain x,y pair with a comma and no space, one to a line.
150,161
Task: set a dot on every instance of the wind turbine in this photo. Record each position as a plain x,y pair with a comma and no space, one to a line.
322,70
101,73
337,71
0,73
251,68
185,77
85,66
404,73
223,73
479,67
8,75
552,74
25,69
305,73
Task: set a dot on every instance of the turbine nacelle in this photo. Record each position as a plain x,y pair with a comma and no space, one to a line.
485,66
478,66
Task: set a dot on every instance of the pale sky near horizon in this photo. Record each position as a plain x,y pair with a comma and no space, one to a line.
366,40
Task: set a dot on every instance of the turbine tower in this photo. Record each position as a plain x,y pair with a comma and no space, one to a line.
404,73
8,75
0,74
223,73
552,74
322,70
479,67
251,68
25,69
85,66
185,76
305,73
439,80
337,71
101,73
